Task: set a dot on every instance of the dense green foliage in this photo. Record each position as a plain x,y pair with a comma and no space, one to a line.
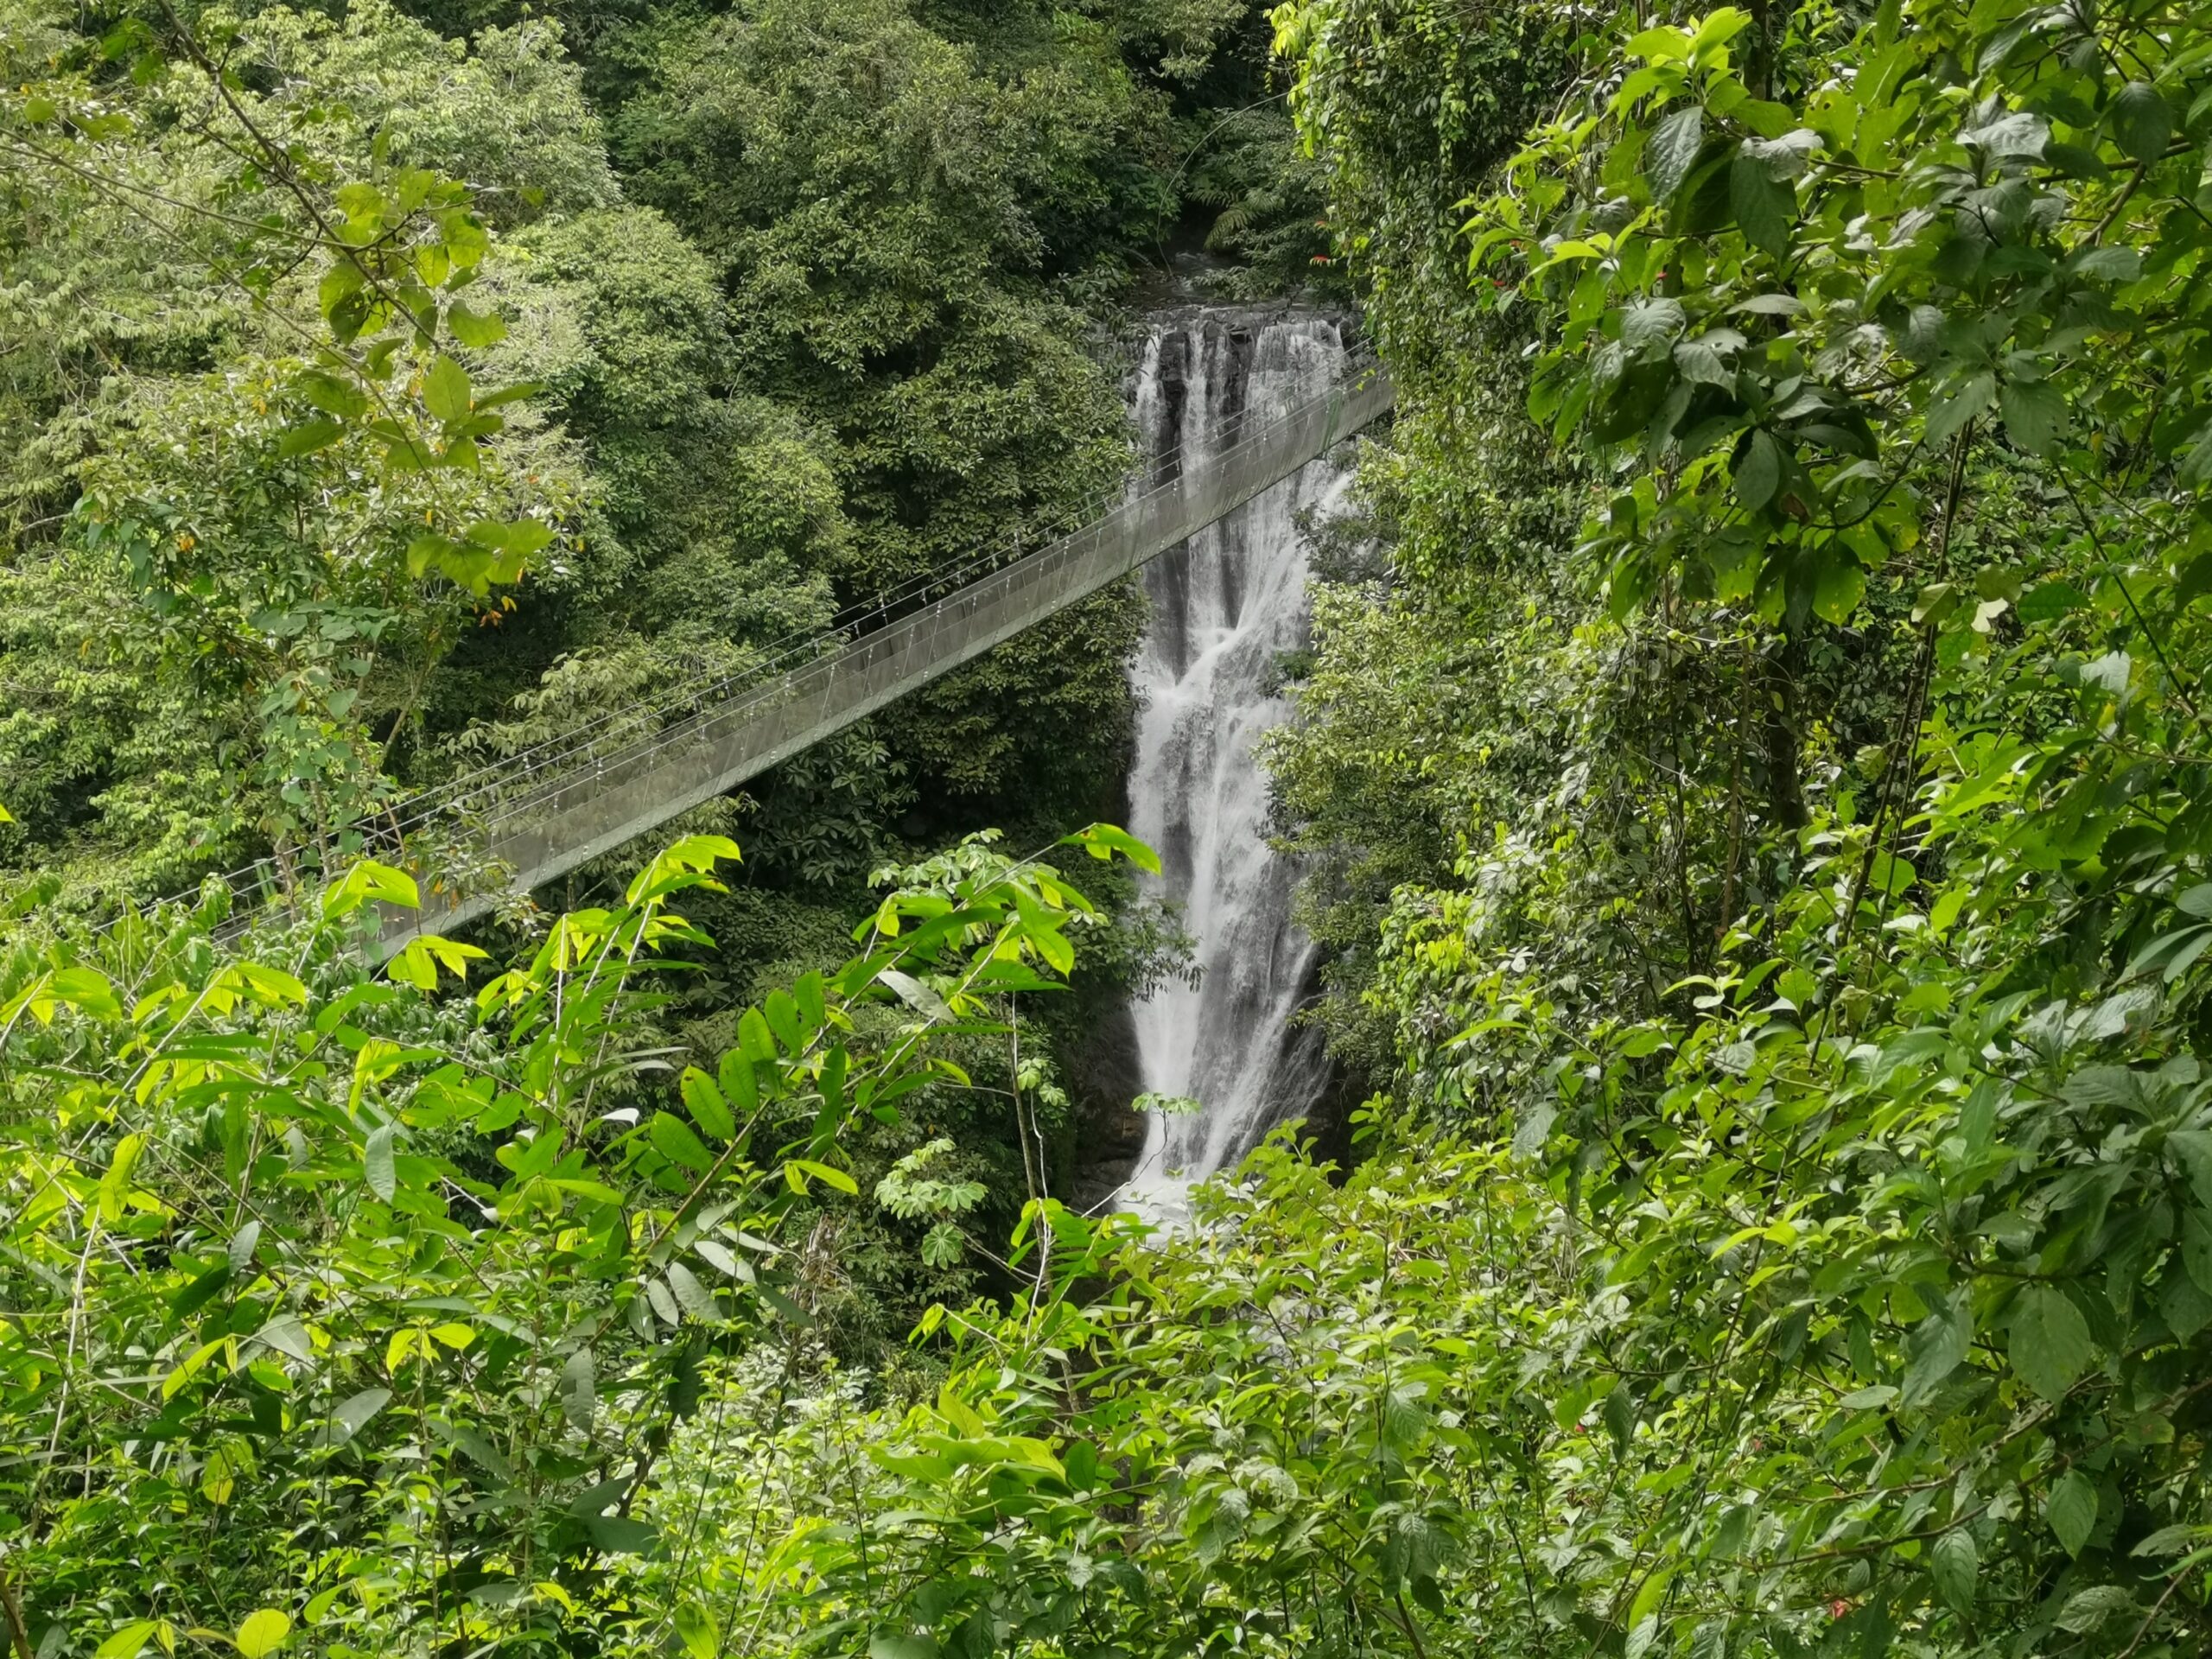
386,390
1756,787
808,300
420,1286
1798,869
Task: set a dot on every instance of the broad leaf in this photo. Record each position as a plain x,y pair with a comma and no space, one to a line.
2050,1341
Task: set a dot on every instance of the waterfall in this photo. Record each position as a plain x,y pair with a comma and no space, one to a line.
1226,606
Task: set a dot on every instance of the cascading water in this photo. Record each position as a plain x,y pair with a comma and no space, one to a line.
1226,606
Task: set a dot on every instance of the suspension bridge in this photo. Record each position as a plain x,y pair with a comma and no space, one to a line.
532,816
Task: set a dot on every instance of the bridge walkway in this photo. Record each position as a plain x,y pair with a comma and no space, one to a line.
537,815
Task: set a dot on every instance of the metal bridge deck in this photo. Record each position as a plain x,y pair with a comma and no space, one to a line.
538,820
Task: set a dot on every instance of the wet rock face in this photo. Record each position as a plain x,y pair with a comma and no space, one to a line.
1104,1076
1226,605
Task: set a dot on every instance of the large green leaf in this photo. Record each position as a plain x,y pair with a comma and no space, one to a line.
378,1168
673,1139
2072,1509
446,390
1953,1563
1762,204
1672,149
263,1633
2050,1345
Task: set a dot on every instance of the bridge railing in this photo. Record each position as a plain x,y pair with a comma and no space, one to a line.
540,811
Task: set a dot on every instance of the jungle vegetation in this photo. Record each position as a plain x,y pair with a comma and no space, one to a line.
1753,775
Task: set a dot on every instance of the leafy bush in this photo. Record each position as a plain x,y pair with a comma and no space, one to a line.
351,1304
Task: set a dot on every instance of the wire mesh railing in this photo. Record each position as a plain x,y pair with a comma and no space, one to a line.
543,809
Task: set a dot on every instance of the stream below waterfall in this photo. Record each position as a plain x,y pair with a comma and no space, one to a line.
1226,605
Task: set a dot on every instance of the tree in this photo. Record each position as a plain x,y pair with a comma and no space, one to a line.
1818,970
278,520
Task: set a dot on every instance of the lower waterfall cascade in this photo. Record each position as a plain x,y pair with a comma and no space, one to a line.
1226,605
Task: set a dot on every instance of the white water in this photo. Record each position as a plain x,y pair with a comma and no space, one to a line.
1225,605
